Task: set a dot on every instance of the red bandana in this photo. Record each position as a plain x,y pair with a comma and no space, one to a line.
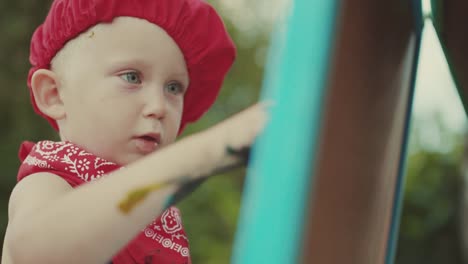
164,241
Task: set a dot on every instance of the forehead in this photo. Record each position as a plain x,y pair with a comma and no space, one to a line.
126,38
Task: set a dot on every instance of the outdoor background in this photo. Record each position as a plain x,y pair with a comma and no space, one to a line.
432,225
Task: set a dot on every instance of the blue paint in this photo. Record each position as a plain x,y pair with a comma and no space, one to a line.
276,191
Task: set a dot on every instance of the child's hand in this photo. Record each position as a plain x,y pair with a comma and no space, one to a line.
230,140
240,131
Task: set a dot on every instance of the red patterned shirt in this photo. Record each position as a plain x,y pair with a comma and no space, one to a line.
163,242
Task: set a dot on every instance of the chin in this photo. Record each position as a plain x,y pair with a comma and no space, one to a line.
129,159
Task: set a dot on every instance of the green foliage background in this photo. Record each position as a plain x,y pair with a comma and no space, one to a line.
429,227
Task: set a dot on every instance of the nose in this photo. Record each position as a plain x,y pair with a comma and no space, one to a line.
155,105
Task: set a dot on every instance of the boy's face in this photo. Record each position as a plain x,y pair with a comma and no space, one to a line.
122,86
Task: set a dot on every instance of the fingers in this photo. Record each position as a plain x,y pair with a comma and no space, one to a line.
248,124
239,131
259,115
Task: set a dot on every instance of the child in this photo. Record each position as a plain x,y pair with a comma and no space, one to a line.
119,80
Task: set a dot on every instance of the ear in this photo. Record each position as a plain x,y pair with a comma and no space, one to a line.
45,86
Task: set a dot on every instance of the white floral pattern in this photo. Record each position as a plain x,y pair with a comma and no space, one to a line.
80,163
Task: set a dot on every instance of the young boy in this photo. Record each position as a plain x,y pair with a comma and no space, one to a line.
119,80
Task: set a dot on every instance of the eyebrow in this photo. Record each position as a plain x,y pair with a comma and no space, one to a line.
120,64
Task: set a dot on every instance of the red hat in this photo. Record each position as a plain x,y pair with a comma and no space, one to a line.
193,24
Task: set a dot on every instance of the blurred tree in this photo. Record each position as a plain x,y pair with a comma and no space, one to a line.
17,120
430,225
464,201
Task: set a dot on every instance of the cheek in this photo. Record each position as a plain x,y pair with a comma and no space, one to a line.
103,112
176,111
117,112
178,108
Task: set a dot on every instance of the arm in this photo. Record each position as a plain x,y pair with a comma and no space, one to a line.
52,223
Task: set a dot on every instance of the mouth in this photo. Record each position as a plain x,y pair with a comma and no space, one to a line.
147,143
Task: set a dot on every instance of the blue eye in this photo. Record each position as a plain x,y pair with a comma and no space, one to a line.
175,88
131,77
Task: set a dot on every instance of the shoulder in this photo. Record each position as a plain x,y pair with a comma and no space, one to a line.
31,194
34,191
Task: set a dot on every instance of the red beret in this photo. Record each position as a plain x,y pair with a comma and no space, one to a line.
193,24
